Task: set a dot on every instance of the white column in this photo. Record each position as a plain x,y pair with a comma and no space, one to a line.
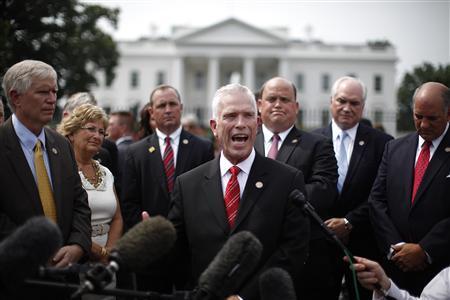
283,68
213,77
178,75
249,72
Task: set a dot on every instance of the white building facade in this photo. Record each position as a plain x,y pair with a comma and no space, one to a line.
199,61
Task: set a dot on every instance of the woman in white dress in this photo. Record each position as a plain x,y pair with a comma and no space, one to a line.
86,129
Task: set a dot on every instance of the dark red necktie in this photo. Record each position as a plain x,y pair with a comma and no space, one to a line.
168,164
421,167
232,195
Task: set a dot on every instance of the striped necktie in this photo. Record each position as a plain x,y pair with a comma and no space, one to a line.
232,195
169,167
342,161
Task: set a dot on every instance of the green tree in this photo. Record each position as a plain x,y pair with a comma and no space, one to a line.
421,74
64,34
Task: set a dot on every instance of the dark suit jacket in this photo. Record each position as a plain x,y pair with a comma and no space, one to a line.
198,213
427,220
352,202
144,184
312,154
19,198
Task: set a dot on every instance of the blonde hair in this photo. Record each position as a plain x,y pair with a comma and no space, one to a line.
80,116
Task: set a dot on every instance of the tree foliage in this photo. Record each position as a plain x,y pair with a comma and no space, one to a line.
64,34
419,75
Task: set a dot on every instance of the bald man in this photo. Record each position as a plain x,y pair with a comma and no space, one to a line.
409,202
312,154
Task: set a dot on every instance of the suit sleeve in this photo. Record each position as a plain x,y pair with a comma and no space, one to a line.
130,202
321,184
81,216
385,232
293,244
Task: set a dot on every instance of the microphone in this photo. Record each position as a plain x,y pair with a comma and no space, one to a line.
276,284
146,242
28,247
299,199
230,268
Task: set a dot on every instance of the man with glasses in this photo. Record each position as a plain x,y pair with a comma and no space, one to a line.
358,150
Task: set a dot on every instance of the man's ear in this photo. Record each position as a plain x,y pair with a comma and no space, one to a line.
213,126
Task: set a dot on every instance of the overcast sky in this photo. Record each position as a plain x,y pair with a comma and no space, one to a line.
420,30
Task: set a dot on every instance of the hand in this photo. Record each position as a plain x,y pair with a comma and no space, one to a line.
234,297
67,255
145,215
337,225
409,257
370,274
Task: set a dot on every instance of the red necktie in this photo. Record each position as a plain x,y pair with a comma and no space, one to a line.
273,151
232,195
168,164
421,167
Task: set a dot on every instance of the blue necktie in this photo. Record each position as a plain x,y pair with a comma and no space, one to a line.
342,161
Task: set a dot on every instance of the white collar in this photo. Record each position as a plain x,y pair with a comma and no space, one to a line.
244,165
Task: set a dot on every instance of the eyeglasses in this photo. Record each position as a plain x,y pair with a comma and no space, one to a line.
94,130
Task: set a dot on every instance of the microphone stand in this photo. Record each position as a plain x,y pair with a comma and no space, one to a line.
180,295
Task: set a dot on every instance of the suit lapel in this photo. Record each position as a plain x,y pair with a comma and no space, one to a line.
290,143
213,186
253,189
155,165
184,152
55,163
408,160
437,162
359,147
19,164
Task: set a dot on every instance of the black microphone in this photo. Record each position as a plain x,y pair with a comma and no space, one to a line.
276,284
230,268
28,247
299,199
146,242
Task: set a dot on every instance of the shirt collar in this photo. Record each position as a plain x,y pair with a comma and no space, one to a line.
244,165
436,141
268,134
174,135
26,137
336,130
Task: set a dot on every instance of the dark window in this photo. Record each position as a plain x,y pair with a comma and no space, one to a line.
200,80
325,82
378,83
134,79
300,82
160,78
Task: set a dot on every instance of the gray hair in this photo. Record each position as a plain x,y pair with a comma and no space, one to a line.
79,99
20,76
338,82
227,90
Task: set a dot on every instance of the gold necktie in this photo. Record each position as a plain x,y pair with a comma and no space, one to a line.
43,183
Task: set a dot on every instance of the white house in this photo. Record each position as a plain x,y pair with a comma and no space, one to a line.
197,61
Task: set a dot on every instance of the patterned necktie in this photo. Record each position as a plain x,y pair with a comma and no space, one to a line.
232,195
342,161
273,151
169,164
43,183
421,167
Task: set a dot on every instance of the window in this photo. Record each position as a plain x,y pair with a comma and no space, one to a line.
378,84
325,117
200,80
300,82
160,78
378,116
134,79
325,83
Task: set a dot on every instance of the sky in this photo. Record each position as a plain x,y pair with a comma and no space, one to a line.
420,30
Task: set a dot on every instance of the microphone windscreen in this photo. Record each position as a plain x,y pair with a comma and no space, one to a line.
146,242
231,267
28,247
298,197
275,284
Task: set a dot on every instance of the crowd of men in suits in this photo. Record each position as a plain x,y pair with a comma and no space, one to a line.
386,199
